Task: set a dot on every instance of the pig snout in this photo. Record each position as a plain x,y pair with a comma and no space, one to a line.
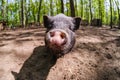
57,38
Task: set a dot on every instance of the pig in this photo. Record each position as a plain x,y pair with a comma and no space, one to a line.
60,33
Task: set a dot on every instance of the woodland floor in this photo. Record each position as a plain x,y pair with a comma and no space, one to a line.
96,56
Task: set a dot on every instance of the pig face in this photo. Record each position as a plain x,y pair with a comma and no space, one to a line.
60,36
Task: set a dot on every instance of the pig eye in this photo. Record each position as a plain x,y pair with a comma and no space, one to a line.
50,26
70,27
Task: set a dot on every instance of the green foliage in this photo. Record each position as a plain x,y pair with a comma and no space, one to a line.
11,12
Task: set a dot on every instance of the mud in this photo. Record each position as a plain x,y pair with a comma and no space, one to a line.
96,56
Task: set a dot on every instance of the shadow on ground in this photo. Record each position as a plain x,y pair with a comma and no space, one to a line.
96,56
37,66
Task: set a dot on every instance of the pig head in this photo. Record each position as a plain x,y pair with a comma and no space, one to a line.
60,33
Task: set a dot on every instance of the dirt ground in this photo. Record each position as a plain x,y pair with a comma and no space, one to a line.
96,56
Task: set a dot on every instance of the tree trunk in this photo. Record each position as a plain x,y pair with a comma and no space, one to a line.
38,15
82,8
118,13
51,7
7,10
34,17
62,6
22,14
76,8
57,2
3,10
72,8
33,13
19,11
100,10
67,8
119,20
27,13
111,13
87,13
90,2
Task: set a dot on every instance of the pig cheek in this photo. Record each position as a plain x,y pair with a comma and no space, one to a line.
48,41
70,41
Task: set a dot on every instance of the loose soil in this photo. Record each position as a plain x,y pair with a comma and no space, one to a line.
95,56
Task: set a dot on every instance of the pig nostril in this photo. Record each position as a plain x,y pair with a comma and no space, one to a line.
62,35
52,34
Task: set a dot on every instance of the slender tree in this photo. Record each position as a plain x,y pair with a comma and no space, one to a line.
117,4
19,11
67,8
76,10
72,8
82,8
22,13
86,10
7,11
90,5
27,14
111,23
62,6
33,11
100,14
100,11
51,7
38,15
57,7
3,9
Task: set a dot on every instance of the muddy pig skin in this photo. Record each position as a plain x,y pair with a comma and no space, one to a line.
60,36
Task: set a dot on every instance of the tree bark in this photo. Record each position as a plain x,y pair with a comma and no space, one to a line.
72,8
33,13
51,7
82,8
111,13
7,11
2,10
38,15
76,8
27,13
62,6
57,11
118,13
22,14
67,8
90,2
100,13
119,20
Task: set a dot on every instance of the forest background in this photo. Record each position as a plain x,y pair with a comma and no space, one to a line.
24,12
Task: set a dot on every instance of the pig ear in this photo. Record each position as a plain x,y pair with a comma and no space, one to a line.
47,21
77,21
